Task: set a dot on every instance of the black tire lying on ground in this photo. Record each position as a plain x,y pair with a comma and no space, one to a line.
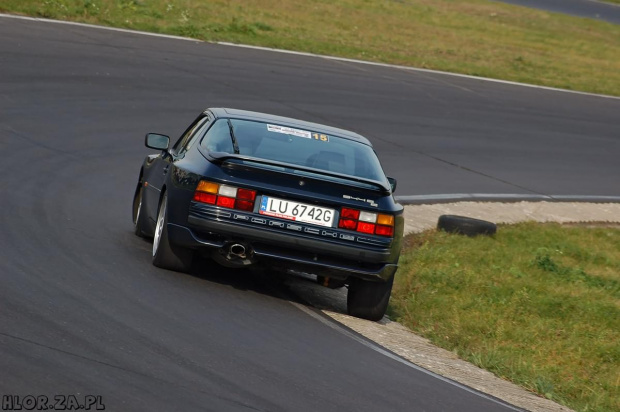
465,225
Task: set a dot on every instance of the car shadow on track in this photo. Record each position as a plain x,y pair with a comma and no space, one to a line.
300,288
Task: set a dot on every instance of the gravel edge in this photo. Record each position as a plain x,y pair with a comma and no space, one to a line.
400,340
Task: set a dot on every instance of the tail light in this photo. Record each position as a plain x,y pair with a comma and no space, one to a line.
230,197
366,222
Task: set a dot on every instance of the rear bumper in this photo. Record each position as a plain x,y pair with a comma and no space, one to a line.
326,255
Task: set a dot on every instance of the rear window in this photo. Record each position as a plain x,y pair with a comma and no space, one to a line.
295,146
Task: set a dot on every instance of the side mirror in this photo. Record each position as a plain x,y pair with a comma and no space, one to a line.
392,183
157,141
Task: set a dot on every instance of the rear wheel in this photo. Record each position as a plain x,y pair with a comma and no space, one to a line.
137,212
165,254
368,300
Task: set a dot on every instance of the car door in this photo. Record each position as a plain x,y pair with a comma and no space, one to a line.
160,166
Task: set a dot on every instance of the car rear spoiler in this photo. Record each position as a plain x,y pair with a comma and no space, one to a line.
219,157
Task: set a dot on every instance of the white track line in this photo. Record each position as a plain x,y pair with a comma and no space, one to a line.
92,26
604,2
491,197
342,59
417,69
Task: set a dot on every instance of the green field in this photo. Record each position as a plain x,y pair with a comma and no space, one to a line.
536,304
475,37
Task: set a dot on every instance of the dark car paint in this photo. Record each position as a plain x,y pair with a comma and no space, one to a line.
178,173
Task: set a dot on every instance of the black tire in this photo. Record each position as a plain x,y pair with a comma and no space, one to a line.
139,218
465,225
165,254
368,300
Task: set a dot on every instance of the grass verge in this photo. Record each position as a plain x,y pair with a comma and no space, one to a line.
537,304
475,37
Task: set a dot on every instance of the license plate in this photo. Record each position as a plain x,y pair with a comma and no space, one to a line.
299,212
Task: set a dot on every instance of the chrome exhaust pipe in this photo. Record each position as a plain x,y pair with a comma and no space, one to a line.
234,255
238,250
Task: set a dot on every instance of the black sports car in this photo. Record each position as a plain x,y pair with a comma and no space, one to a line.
244,187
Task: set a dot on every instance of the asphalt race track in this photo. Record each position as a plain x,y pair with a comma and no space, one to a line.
592,9
83,311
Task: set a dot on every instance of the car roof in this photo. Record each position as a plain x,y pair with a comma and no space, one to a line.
222,112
